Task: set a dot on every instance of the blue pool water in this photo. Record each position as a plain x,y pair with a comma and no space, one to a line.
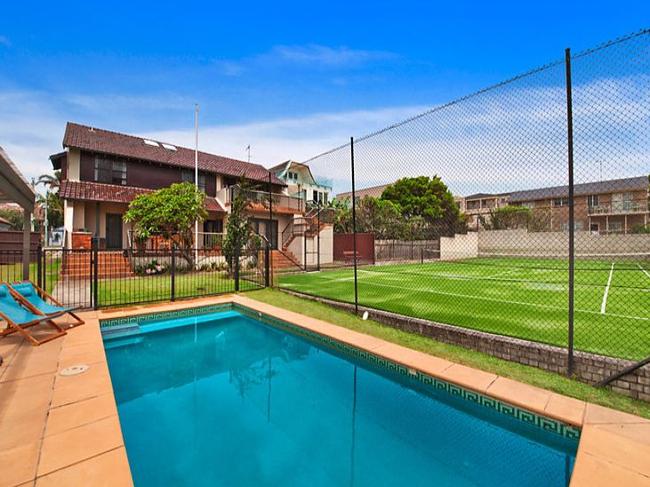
227,400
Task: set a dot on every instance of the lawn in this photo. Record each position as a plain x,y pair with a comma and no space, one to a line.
523,298
14,272
531,375
113,292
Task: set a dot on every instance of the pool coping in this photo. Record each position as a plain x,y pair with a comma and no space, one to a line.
614,447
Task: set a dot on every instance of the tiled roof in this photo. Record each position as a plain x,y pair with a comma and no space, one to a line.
374,191
107,142
639,183
90,191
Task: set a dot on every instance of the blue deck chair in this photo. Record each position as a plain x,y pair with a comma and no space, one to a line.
37,302
19,317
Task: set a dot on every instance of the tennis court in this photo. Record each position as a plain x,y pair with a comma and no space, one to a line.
513,296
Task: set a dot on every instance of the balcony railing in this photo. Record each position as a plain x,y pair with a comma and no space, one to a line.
280,201
618,208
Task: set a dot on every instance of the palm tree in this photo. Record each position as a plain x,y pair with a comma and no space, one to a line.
53,181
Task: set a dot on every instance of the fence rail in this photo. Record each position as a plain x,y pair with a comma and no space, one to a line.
94,278
536,193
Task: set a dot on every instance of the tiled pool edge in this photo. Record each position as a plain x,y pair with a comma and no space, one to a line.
620,459
541,421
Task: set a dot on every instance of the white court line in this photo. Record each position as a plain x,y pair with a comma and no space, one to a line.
644,271
603,306
496,300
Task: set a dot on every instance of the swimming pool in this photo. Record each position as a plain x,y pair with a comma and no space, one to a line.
224,397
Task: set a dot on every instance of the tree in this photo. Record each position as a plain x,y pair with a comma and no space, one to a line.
506,218
14,217
239,231
54,209
53,181
54,204
169,212
428,198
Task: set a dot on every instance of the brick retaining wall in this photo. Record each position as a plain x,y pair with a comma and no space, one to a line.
589,368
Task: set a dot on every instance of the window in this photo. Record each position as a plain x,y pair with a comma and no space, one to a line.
578,226
592,200
110,171
561,202
616,227
528,204
324,198
227,182
188,177
315,198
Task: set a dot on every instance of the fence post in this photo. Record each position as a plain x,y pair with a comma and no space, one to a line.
354,230
304,242
39,266
236,257
172,271
318,240
569,107
269,232
267,265
94,273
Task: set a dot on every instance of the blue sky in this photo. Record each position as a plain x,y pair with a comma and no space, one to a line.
291,79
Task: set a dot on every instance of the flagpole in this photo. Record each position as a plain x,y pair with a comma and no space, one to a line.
196,179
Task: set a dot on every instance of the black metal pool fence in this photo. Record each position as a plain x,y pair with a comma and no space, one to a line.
531,196
94,278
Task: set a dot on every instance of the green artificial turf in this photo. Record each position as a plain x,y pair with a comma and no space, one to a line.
523,298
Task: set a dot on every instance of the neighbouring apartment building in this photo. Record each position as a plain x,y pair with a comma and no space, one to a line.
301,182
103,171
612,206
479,205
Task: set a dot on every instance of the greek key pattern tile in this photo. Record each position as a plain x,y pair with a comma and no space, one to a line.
163,315
542,422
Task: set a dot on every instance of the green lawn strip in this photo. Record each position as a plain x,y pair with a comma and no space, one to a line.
530,375
14,272
123,291
523,301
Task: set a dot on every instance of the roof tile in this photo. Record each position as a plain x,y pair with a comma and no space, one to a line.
90,191
107,142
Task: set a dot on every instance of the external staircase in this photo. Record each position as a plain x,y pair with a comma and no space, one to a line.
78,265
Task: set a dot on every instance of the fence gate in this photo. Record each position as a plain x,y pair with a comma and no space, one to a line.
67,274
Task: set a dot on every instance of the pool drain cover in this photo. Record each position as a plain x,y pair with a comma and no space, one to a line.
74,370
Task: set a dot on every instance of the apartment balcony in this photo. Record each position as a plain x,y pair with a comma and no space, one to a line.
623,208
259,200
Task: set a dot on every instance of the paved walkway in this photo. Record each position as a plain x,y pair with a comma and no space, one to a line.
73,292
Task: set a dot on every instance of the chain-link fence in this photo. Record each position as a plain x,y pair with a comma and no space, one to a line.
520,210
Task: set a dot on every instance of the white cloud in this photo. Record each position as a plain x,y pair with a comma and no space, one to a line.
315,54
32,126
495,141
310,55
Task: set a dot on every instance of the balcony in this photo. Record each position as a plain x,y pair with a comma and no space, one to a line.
620,208
259,201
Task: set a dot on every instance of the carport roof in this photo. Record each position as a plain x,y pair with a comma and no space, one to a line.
13,185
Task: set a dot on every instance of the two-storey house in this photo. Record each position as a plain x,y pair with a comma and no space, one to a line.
102,171
302,183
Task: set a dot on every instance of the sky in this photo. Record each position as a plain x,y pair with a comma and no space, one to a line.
292,79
